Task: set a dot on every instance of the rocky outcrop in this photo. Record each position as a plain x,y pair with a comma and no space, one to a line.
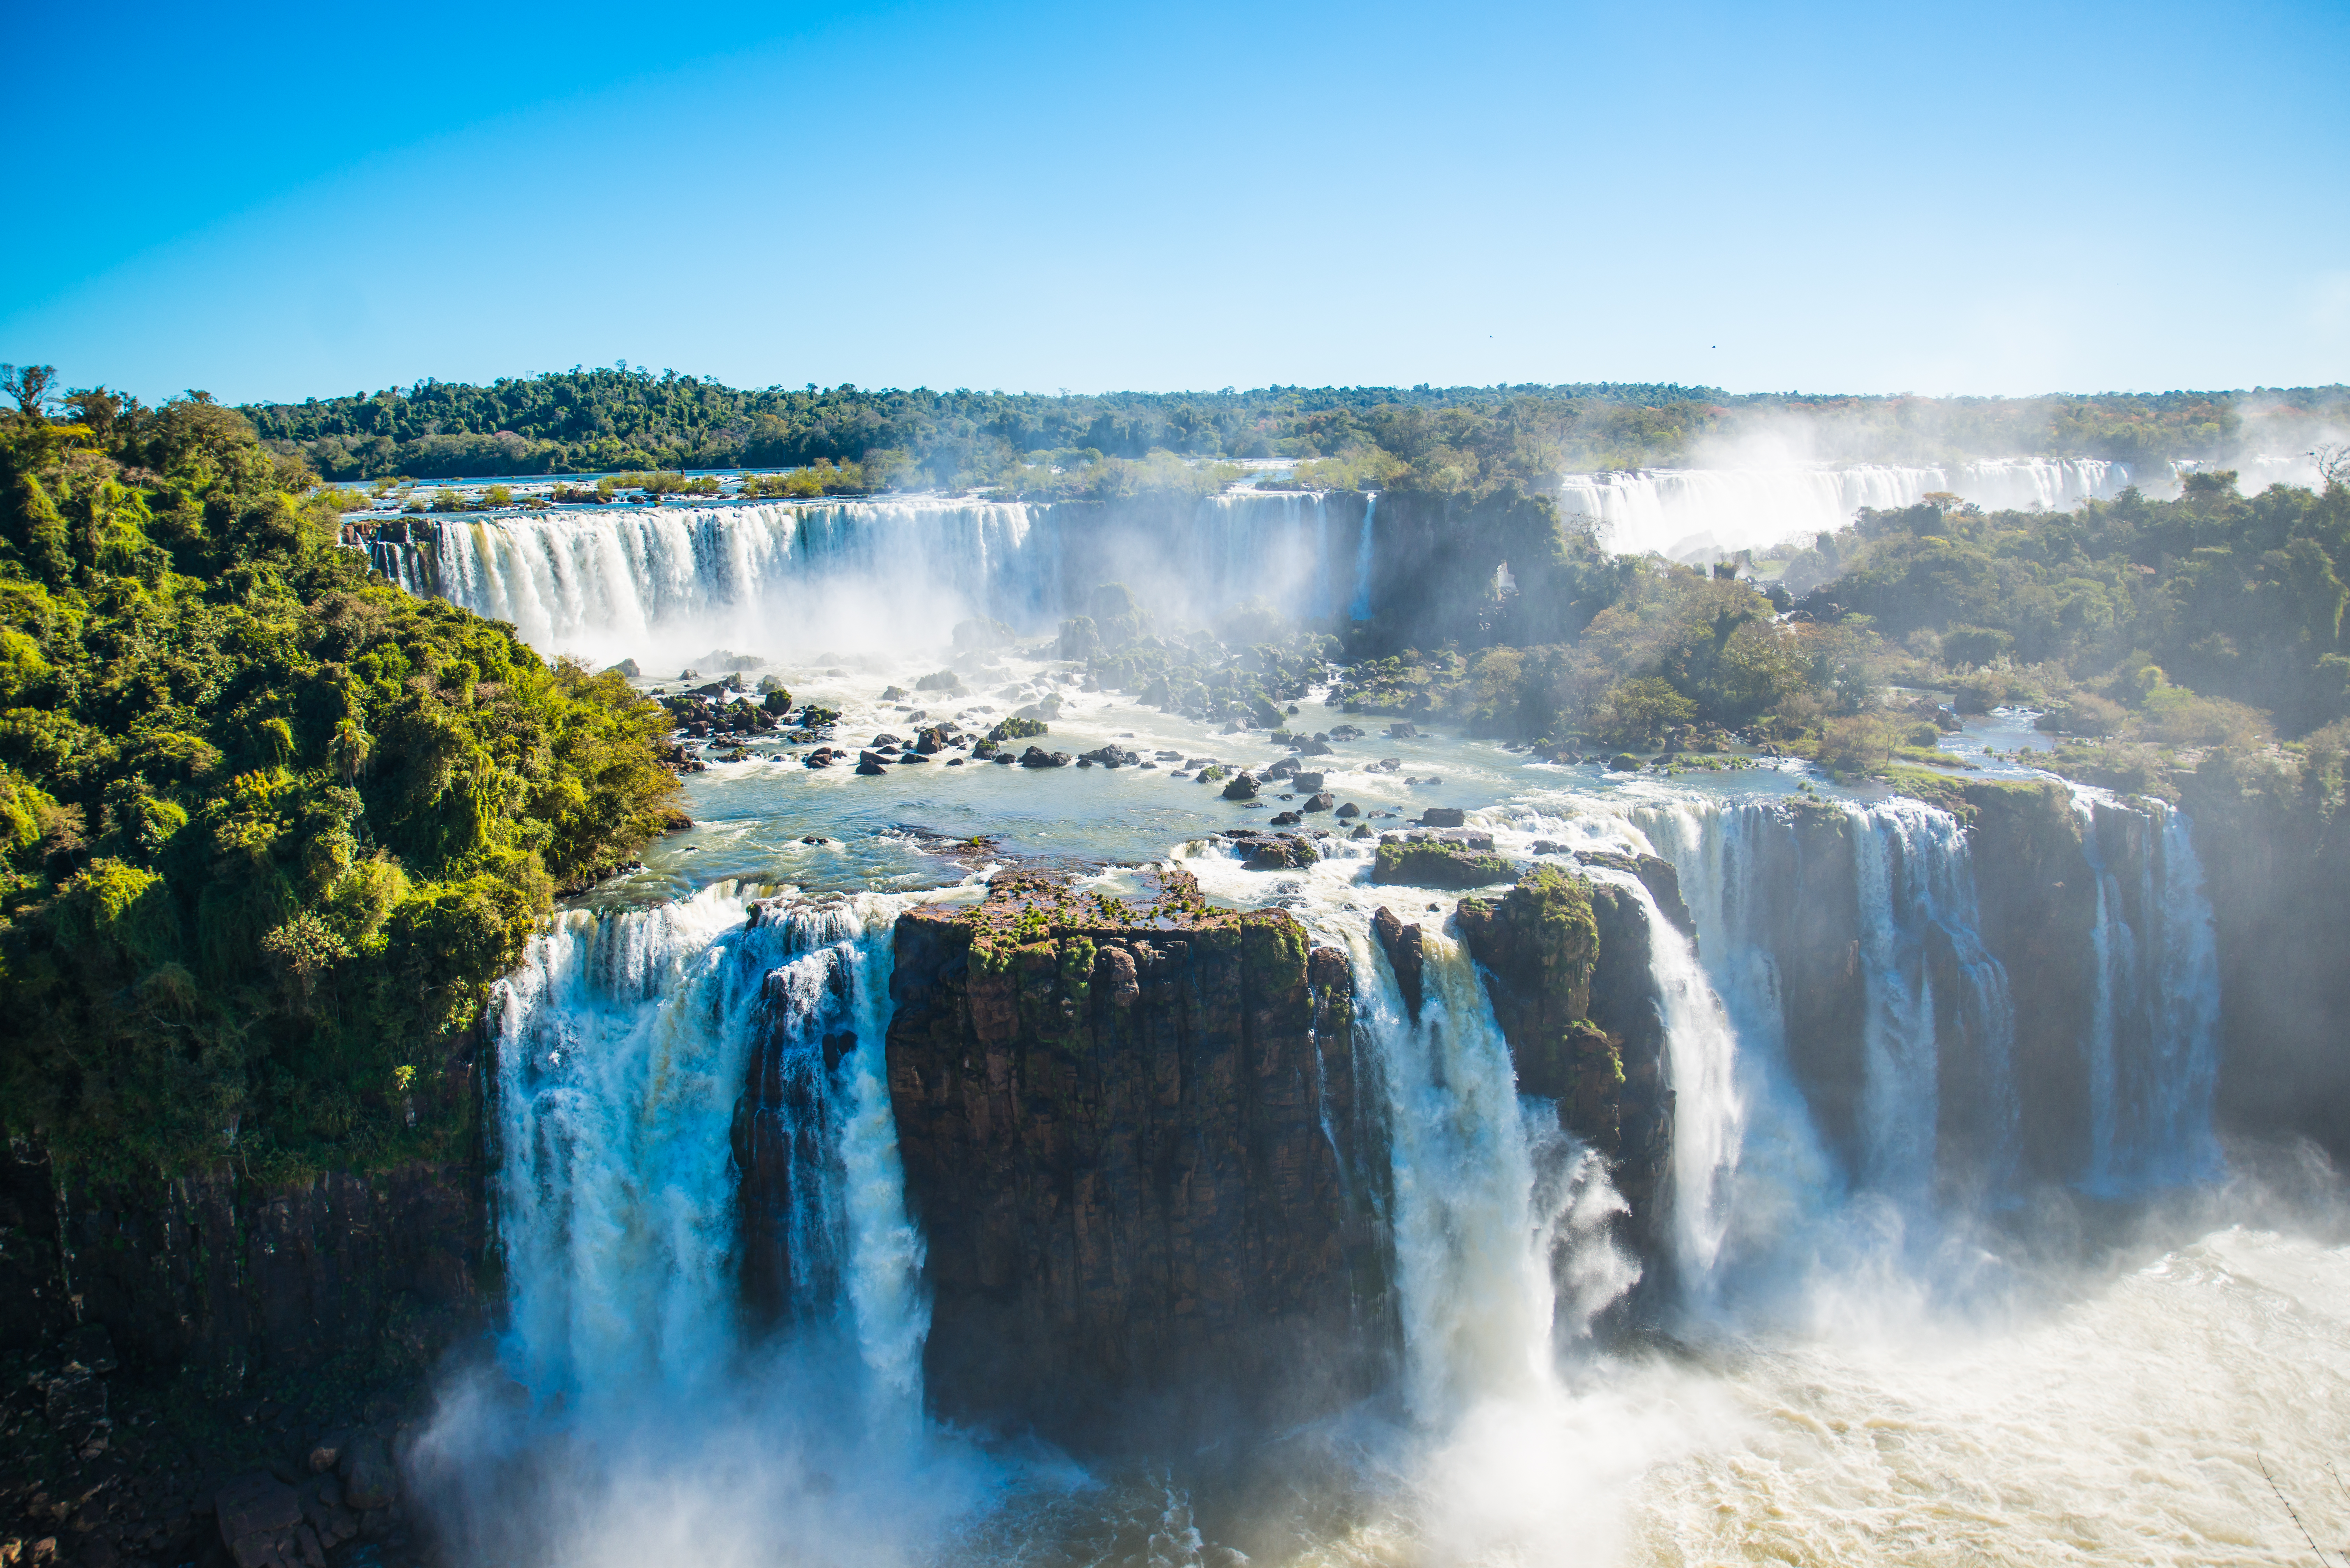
1807,877
1407,955
1144,1167
2037,897
1454,859
1567,967
2276,866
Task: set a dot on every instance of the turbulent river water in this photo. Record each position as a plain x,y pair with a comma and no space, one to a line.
1854,1360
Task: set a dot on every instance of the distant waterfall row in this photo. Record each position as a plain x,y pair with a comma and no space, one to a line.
669,582
672,581
1700,513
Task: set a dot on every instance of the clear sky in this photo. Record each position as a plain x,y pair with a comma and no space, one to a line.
274,201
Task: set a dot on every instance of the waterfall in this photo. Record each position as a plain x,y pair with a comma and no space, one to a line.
1932,1021
1472,1252
1919,924
1360,608
625,1043
1705,513
668,582
2152,1051
1700,1069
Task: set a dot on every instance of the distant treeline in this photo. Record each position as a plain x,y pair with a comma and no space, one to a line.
1451,438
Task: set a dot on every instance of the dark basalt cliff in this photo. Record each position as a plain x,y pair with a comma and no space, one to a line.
1148,1171
227,1277
1567,965
2276,865
2037,895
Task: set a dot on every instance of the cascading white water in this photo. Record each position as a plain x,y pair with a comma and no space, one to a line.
669,582
624,1041
2152,1050
1471,1272
1916,896
1359,608
1701,1070
1915,911
1704,513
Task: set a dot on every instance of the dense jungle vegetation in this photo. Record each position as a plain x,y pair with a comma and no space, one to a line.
1450,440
2152,633
268,825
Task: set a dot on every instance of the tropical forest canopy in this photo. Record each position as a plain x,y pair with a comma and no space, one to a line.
1451,440
268,825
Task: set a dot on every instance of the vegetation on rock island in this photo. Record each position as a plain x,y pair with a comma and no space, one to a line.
268,825
2147,633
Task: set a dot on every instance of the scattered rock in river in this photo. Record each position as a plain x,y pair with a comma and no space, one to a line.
1320,799
1287,852
1244,786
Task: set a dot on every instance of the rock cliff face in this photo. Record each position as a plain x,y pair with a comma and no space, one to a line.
224,1278
1146,1166
1807,877
1567,967
2038,897
2276,864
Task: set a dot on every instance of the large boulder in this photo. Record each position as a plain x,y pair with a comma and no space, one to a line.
1244,786
1320,801
1425,860
259,1516
1285,853
369,1479
1039,757
1656,874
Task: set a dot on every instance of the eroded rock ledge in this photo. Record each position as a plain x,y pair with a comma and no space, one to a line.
1136,1146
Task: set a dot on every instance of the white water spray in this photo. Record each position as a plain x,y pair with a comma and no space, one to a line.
2153,1048
1704,513
624,1044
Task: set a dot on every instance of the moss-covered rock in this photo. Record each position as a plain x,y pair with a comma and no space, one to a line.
1421,860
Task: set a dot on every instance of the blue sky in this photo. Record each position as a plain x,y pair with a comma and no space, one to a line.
278,201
